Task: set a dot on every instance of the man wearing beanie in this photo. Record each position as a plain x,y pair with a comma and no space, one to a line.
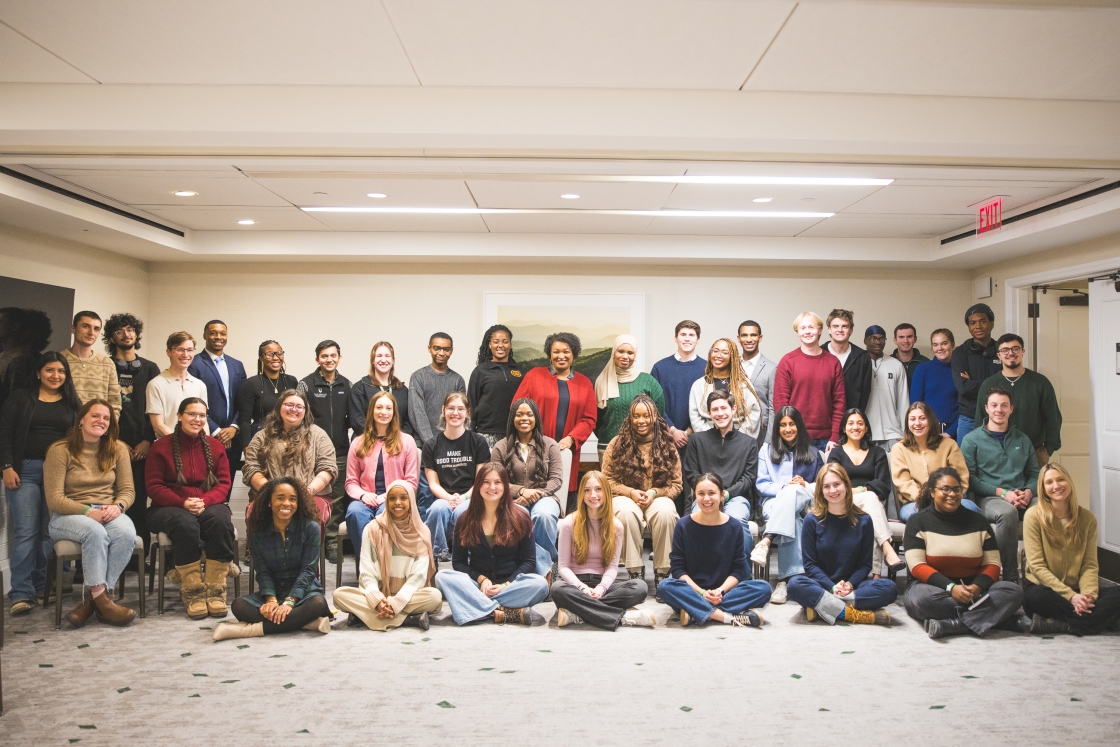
973,362
890,394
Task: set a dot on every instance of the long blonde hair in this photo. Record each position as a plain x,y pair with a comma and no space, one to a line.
1067,535
737,382
392,433
581,542
820,503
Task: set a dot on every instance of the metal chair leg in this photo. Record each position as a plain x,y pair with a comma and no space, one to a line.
50,579
58,593
161,553
140,579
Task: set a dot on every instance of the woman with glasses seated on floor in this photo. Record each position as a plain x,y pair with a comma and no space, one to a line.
954,566
787,467
837,542
1063,594
87,482
495,557
869,470
187,475
284,544
709,565
922,451
397,567
588,589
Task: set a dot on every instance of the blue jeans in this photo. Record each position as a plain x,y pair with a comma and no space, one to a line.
871,594
437,519
739,508
784,513
106,548
545,518
820,444
740,598
358,515
468,603
965,425
31,544
909,509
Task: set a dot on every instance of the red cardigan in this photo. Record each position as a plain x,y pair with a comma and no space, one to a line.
160,473
815,386
541,386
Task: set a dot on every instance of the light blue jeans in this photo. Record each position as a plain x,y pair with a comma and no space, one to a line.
965,425
784,514
738,508
106,548
909,509
437,520
468,603
545,514
31,544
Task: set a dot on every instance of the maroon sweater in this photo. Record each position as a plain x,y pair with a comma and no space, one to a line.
815,386
160,473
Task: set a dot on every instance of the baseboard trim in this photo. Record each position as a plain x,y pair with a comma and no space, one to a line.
1109,562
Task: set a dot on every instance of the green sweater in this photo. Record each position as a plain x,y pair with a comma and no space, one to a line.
1010,465
1036,407
612,416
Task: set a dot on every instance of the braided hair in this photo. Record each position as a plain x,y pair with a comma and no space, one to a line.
211,473
484,353
626,457
260,352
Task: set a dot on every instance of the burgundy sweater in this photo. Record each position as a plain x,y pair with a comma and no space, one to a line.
815,386
160,474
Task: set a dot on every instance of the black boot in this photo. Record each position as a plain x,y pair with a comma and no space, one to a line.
416,620
1040,625
1017,623
946,628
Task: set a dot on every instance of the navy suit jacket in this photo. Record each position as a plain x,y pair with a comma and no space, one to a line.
202,367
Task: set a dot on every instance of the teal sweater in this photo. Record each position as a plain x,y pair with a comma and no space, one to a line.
1012,465
612,416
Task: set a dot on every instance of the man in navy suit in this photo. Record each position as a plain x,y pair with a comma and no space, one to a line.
223,376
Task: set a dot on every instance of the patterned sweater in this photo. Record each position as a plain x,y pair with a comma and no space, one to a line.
951,548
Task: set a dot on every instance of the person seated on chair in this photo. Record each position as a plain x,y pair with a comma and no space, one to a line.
381,456
588,589
495,557
837,542
923,450
397,566
786,467
643,468
1062,594
729,453
710,577
87,482
187,475
284,544
291,445
536,474
954,566
869,470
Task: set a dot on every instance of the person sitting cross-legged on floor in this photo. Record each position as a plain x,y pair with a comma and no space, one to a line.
837,543
495,556
954,566
590,542
1062,594
397,568
710,578
284,544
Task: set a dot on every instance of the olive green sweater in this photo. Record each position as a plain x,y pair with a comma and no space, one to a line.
1066,570
71,484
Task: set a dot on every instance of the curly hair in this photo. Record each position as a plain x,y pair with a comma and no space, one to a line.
567,338
925,498
536,441
260,510
626,458
283,445
512,524
484,353
32,328
119,321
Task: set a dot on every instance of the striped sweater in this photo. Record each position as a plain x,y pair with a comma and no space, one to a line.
955,548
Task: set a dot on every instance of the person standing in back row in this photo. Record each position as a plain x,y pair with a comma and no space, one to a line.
853,358
905,336
973,362
676,375
890,394
429,387
223,376
258,396
94,375
494,381
813,382
760,370
328,395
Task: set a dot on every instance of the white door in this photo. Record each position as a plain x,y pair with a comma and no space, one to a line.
1104,370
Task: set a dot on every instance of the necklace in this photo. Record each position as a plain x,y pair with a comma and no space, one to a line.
1013,381
275,383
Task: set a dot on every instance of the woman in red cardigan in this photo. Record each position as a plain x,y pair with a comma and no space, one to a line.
565,398
188,481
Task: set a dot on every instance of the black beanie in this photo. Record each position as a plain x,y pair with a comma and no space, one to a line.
979,308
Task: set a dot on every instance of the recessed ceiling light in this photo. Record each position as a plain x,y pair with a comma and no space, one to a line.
377,195
762,199
246,222
570,196
565,211
186,193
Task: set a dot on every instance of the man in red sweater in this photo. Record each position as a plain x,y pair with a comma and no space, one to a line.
812,380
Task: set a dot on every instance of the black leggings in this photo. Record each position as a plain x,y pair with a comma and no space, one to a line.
301,614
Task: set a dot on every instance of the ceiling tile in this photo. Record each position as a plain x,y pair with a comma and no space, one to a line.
786,198
592,195
885,226
585,43
557,223
731,226
215,188
958,200
402,223
225,219
23,61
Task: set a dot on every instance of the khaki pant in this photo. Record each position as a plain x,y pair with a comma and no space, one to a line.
661,516
869,503
352,600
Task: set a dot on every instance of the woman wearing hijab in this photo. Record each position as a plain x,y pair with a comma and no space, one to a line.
618,384
725,371
397,568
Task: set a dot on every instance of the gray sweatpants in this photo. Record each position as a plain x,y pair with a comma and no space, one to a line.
925,602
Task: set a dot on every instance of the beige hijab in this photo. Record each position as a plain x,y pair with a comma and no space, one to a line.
410,536
606,386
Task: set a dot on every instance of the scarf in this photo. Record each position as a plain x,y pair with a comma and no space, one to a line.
606,386
410,537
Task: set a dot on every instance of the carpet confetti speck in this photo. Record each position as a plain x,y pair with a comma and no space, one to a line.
444,704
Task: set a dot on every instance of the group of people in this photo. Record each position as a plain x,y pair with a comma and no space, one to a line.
100,449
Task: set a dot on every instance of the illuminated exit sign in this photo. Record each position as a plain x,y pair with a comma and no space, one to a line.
989,216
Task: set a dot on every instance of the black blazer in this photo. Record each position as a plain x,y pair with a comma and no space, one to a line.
15,420
499,564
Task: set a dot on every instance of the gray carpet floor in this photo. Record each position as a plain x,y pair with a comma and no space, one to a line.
164,682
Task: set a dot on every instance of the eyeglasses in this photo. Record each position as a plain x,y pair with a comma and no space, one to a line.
1016,349
950,491
274,355
183,350
194,415
294,408
441,349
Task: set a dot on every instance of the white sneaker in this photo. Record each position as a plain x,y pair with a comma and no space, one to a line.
638,619
780,594
760,553
563,618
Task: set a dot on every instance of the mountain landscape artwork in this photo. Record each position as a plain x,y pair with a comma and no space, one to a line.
596,327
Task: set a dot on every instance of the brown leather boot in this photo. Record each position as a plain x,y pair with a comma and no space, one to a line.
192,590
81,614
110,612
216,573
